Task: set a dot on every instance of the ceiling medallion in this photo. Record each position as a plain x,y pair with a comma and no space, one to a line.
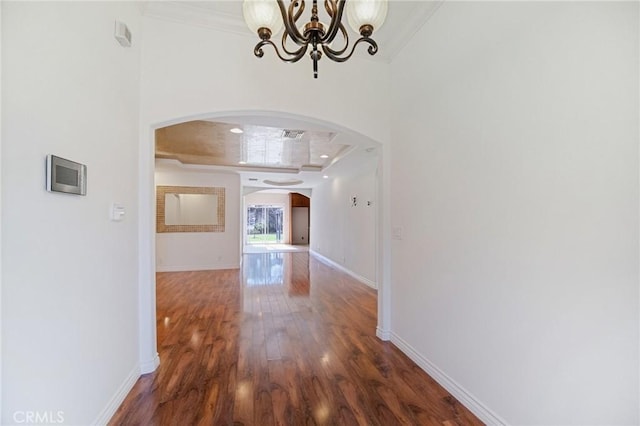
266,18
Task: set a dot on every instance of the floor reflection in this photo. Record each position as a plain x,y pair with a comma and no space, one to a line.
277,269
256,347
263,269
272,247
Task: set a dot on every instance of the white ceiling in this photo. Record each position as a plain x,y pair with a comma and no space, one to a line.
404,19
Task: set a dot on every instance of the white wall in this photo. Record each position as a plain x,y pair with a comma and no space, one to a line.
274,199
69,277
515,163
343,233
191,71
192,251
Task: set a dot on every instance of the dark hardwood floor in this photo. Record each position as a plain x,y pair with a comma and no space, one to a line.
285,341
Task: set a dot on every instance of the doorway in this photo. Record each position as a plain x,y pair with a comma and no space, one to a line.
149,359
300,218
264,224
300,225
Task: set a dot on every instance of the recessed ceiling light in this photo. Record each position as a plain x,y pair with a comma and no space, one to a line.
242,162
236,130
325,177
324,156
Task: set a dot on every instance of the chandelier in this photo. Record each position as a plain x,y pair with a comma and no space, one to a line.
266,18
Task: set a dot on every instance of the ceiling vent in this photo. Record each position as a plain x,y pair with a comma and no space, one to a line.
253,179
292,134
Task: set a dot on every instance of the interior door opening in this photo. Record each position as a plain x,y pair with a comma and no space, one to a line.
264,224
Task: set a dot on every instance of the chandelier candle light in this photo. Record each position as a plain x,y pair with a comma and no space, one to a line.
266,18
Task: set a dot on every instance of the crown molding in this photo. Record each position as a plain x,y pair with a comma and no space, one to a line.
403,31
191,14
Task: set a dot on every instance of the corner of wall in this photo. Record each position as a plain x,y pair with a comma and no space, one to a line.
149,366
384,335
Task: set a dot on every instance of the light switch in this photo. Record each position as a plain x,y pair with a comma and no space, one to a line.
117,212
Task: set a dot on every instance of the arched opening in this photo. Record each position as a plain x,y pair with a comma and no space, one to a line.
361,149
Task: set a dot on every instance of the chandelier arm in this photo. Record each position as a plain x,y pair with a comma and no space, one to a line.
335,23
293,58
302,49
345,36
289,22
330,7
298,12
372,49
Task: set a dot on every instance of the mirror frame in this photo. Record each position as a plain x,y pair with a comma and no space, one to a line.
161,191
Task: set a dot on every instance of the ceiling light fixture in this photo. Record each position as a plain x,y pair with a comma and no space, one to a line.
236,130
266,17
324,156
325,177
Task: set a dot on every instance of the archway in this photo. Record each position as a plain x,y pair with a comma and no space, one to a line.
147,322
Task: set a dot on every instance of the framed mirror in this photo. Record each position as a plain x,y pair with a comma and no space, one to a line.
189,209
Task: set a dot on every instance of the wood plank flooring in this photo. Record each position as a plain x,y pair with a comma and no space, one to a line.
287,340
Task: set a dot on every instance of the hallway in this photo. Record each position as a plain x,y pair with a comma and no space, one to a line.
287,340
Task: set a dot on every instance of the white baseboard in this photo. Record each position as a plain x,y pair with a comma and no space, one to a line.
124,389
185,268
384,335
347,271
150,365
461,394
